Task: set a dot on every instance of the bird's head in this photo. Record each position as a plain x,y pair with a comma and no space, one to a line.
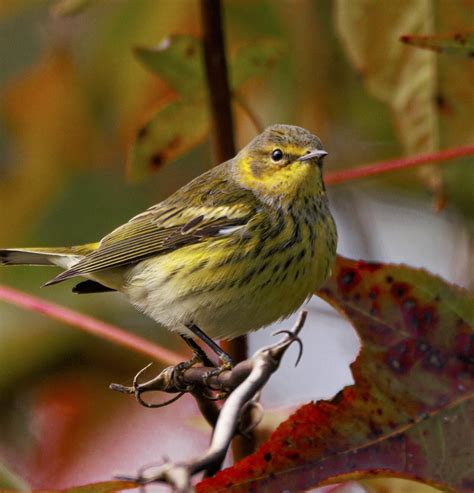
282,162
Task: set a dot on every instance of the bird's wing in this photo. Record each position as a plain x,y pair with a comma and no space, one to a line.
194,213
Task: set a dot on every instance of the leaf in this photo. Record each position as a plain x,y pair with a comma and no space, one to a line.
175,129
104,487
411,409
459,43
8,479
64,8
182,124
255,59
178,60
396,485
401,77
430,97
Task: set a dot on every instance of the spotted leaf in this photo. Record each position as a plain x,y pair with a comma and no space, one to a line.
409,413
180,125
175,129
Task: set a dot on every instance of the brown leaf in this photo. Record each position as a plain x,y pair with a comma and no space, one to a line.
403,78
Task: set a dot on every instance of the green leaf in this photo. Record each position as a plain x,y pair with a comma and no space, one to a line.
459,43
179,126
174,130
409,413
178,60
255,59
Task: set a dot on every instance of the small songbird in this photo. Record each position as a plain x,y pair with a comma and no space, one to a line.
237,248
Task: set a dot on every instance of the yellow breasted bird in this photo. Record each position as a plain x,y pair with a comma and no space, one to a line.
237,248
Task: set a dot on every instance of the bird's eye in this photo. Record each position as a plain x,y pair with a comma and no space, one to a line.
277,155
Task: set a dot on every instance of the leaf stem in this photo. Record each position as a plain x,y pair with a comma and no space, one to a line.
380,167
90,325
240,100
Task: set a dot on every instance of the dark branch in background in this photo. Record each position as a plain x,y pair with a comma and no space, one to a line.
245,381
222,142
217,81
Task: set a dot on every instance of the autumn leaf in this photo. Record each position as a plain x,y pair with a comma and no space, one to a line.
9,479
409,413
403,78
178,61
183,123
104,487
459,43
255,59
63,8
430,100
175,129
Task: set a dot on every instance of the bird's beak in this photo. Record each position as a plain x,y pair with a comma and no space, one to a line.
318,153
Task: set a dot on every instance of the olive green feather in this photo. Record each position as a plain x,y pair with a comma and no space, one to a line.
171,225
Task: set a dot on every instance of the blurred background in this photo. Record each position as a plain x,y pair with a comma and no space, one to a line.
73,94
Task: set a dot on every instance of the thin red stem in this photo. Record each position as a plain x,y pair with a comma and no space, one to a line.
394,164
90,325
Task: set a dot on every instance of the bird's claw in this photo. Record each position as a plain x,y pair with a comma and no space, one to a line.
226,366
292,338
179,369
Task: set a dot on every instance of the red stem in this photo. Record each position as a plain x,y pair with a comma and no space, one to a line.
393,164
90,325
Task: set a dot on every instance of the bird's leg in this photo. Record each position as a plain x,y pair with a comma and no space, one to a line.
199,356
197,350
223,356
227,362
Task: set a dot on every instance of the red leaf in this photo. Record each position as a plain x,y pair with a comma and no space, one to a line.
410,410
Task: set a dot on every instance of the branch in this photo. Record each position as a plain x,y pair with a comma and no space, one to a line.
90,325
380,167
246,379
222,140
217,81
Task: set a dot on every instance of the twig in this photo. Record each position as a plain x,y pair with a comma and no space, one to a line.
259,368
222,140
240,100
395,164
90,325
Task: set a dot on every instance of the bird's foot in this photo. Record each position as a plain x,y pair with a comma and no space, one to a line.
178,371
227,364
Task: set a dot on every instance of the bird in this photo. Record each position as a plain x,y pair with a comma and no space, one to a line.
239,247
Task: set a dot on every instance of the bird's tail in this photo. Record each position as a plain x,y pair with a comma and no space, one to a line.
63,257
